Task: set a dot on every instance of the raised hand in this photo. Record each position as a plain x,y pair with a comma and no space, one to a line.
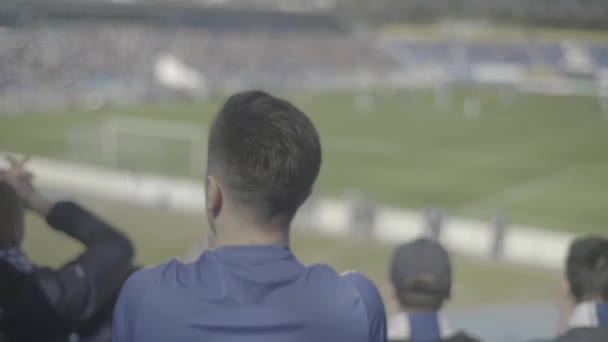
21,179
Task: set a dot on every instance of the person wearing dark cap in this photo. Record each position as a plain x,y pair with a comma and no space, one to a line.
421,275
585,309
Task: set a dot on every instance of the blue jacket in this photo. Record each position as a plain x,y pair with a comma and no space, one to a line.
248,293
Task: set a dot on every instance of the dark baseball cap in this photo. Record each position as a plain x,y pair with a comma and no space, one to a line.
586,264
422,266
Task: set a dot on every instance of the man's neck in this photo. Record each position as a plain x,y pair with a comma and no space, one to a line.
238,228
584,314
250,235
222,240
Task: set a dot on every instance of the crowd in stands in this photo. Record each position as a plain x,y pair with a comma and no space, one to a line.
68,61
285,5
414,53
73,58
556,13
264,156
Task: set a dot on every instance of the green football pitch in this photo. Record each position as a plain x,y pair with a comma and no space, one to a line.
159,235
541,159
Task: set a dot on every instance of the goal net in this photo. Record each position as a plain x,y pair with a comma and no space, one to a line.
153,145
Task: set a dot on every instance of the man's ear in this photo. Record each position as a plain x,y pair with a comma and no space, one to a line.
390,288
454,288
214,197
565,284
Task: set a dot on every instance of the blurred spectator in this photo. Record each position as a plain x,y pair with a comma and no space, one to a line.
585,307
40,304
499,224
433,220
264,157
421,275
362,214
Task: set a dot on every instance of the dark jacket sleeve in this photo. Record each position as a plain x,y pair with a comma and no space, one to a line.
81,287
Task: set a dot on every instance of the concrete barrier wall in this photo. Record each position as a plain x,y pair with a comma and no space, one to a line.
524,245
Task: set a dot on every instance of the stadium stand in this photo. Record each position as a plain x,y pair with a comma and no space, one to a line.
422,52
67,53
59,52
558,13
414,53
599,55
550,55
498,53
67,57
51,54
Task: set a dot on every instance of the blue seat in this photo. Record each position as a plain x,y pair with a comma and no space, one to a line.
599,54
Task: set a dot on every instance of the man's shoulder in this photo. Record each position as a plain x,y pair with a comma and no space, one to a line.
352,297
350,283
324,272
365,289
359,280
153,276
147,288
329,286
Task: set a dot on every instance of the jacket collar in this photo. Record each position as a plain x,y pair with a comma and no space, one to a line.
588,315
399,326
255,252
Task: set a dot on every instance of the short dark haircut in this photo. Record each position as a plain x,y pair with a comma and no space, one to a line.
11,214
266,151
587,268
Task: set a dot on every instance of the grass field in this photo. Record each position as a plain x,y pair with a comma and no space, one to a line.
159,235
542,159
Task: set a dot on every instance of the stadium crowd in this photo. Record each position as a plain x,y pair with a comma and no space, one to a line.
72,59
553,55
264,156
70,62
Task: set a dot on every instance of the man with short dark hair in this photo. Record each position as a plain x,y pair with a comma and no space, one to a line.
264,156
586,291
421,275
41,304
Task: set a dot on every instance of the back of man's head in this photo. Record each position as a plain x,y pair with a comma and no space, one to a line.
587,268
265,153
421,275
11,216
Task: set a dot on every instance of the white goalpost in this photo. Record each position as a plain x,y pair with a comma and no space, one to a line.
154,134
